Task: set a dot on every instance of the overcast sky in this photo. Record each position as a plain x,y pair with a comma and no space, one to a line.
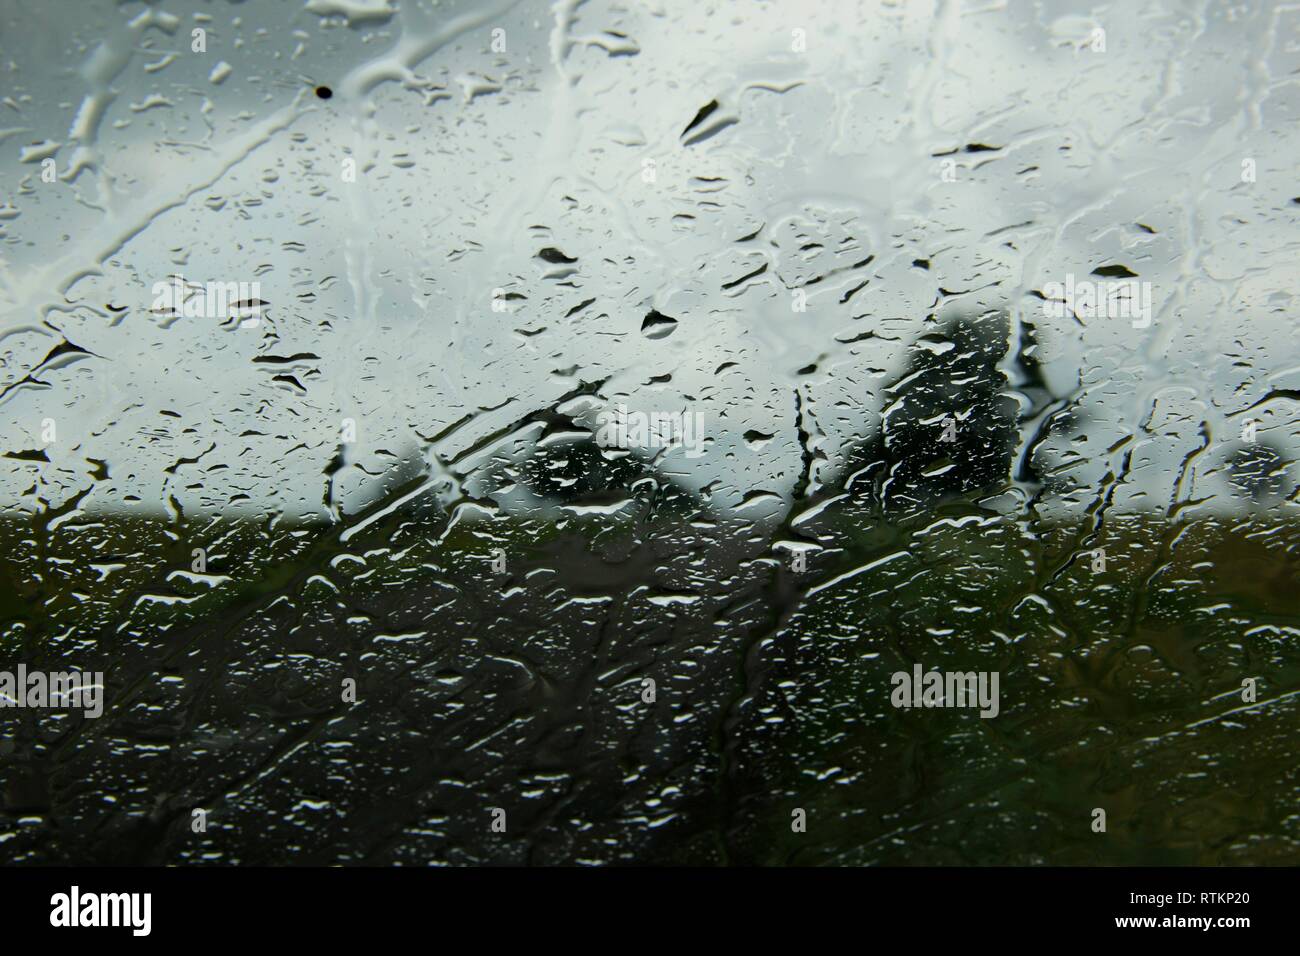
1006,145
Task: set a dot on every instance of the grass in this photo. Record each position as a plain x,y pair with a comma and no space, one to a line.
1120,689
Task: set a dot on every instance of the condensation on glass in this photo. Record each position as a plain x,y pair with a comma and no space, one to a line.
617,396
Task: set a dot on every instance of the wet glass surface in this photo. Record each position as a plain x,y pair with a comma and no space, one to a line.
544,432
